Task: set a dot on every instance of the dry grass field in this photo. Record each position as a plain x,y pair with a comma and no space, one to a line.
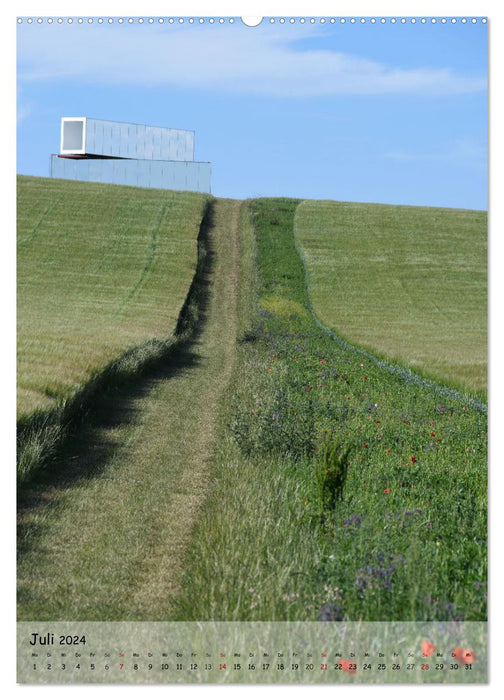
409,283
100,269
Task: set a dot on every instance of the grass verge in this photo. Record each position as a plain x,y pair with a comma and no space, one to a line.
342,490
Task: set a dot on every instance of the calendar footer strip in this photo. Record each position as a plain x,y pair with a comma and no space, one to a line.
252,652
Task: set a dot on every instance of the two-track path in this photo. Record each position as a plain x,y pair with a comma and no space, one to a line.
110,543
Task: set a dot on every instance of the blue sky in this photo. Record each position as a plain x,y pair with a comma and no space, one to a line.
393,113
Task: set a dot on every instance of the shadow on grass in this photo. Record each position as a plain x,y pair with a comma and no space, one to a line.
94,420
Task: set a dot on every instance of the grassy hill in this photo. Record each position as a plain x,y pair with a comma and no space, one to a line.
101,268
359,492
406,282
266,470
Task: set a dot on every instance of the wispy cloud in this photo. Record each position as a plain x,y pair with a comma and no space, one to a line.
462,152
261,61
24,108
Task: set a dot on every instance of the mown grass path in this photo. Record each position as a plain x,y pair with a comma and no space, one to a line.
108,541
191,406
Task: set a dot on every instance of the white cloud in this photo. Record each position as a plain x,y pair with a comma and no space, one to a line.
257,61
23,108
461,152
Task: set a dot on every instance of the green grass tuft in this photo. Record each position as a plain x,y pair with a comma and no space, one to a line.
331,473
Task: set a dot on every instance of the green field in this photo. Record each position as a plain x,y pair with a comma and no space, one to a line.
101,269
263,469
359,493
129,486
406,282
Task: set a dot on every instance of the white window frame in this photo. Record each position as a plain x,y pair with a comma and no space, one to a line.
73,151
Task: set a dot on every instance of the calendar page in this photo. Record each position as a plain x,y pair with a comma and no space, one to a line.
252,349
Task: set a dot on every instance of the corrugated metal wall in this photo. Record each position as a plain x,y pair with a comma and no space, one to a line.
160,174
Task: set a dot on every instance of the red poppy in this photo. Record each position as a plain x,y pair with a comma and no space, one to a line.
387,450
428,648
469,656
457,654
348,666
386,490
413,459
464,656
